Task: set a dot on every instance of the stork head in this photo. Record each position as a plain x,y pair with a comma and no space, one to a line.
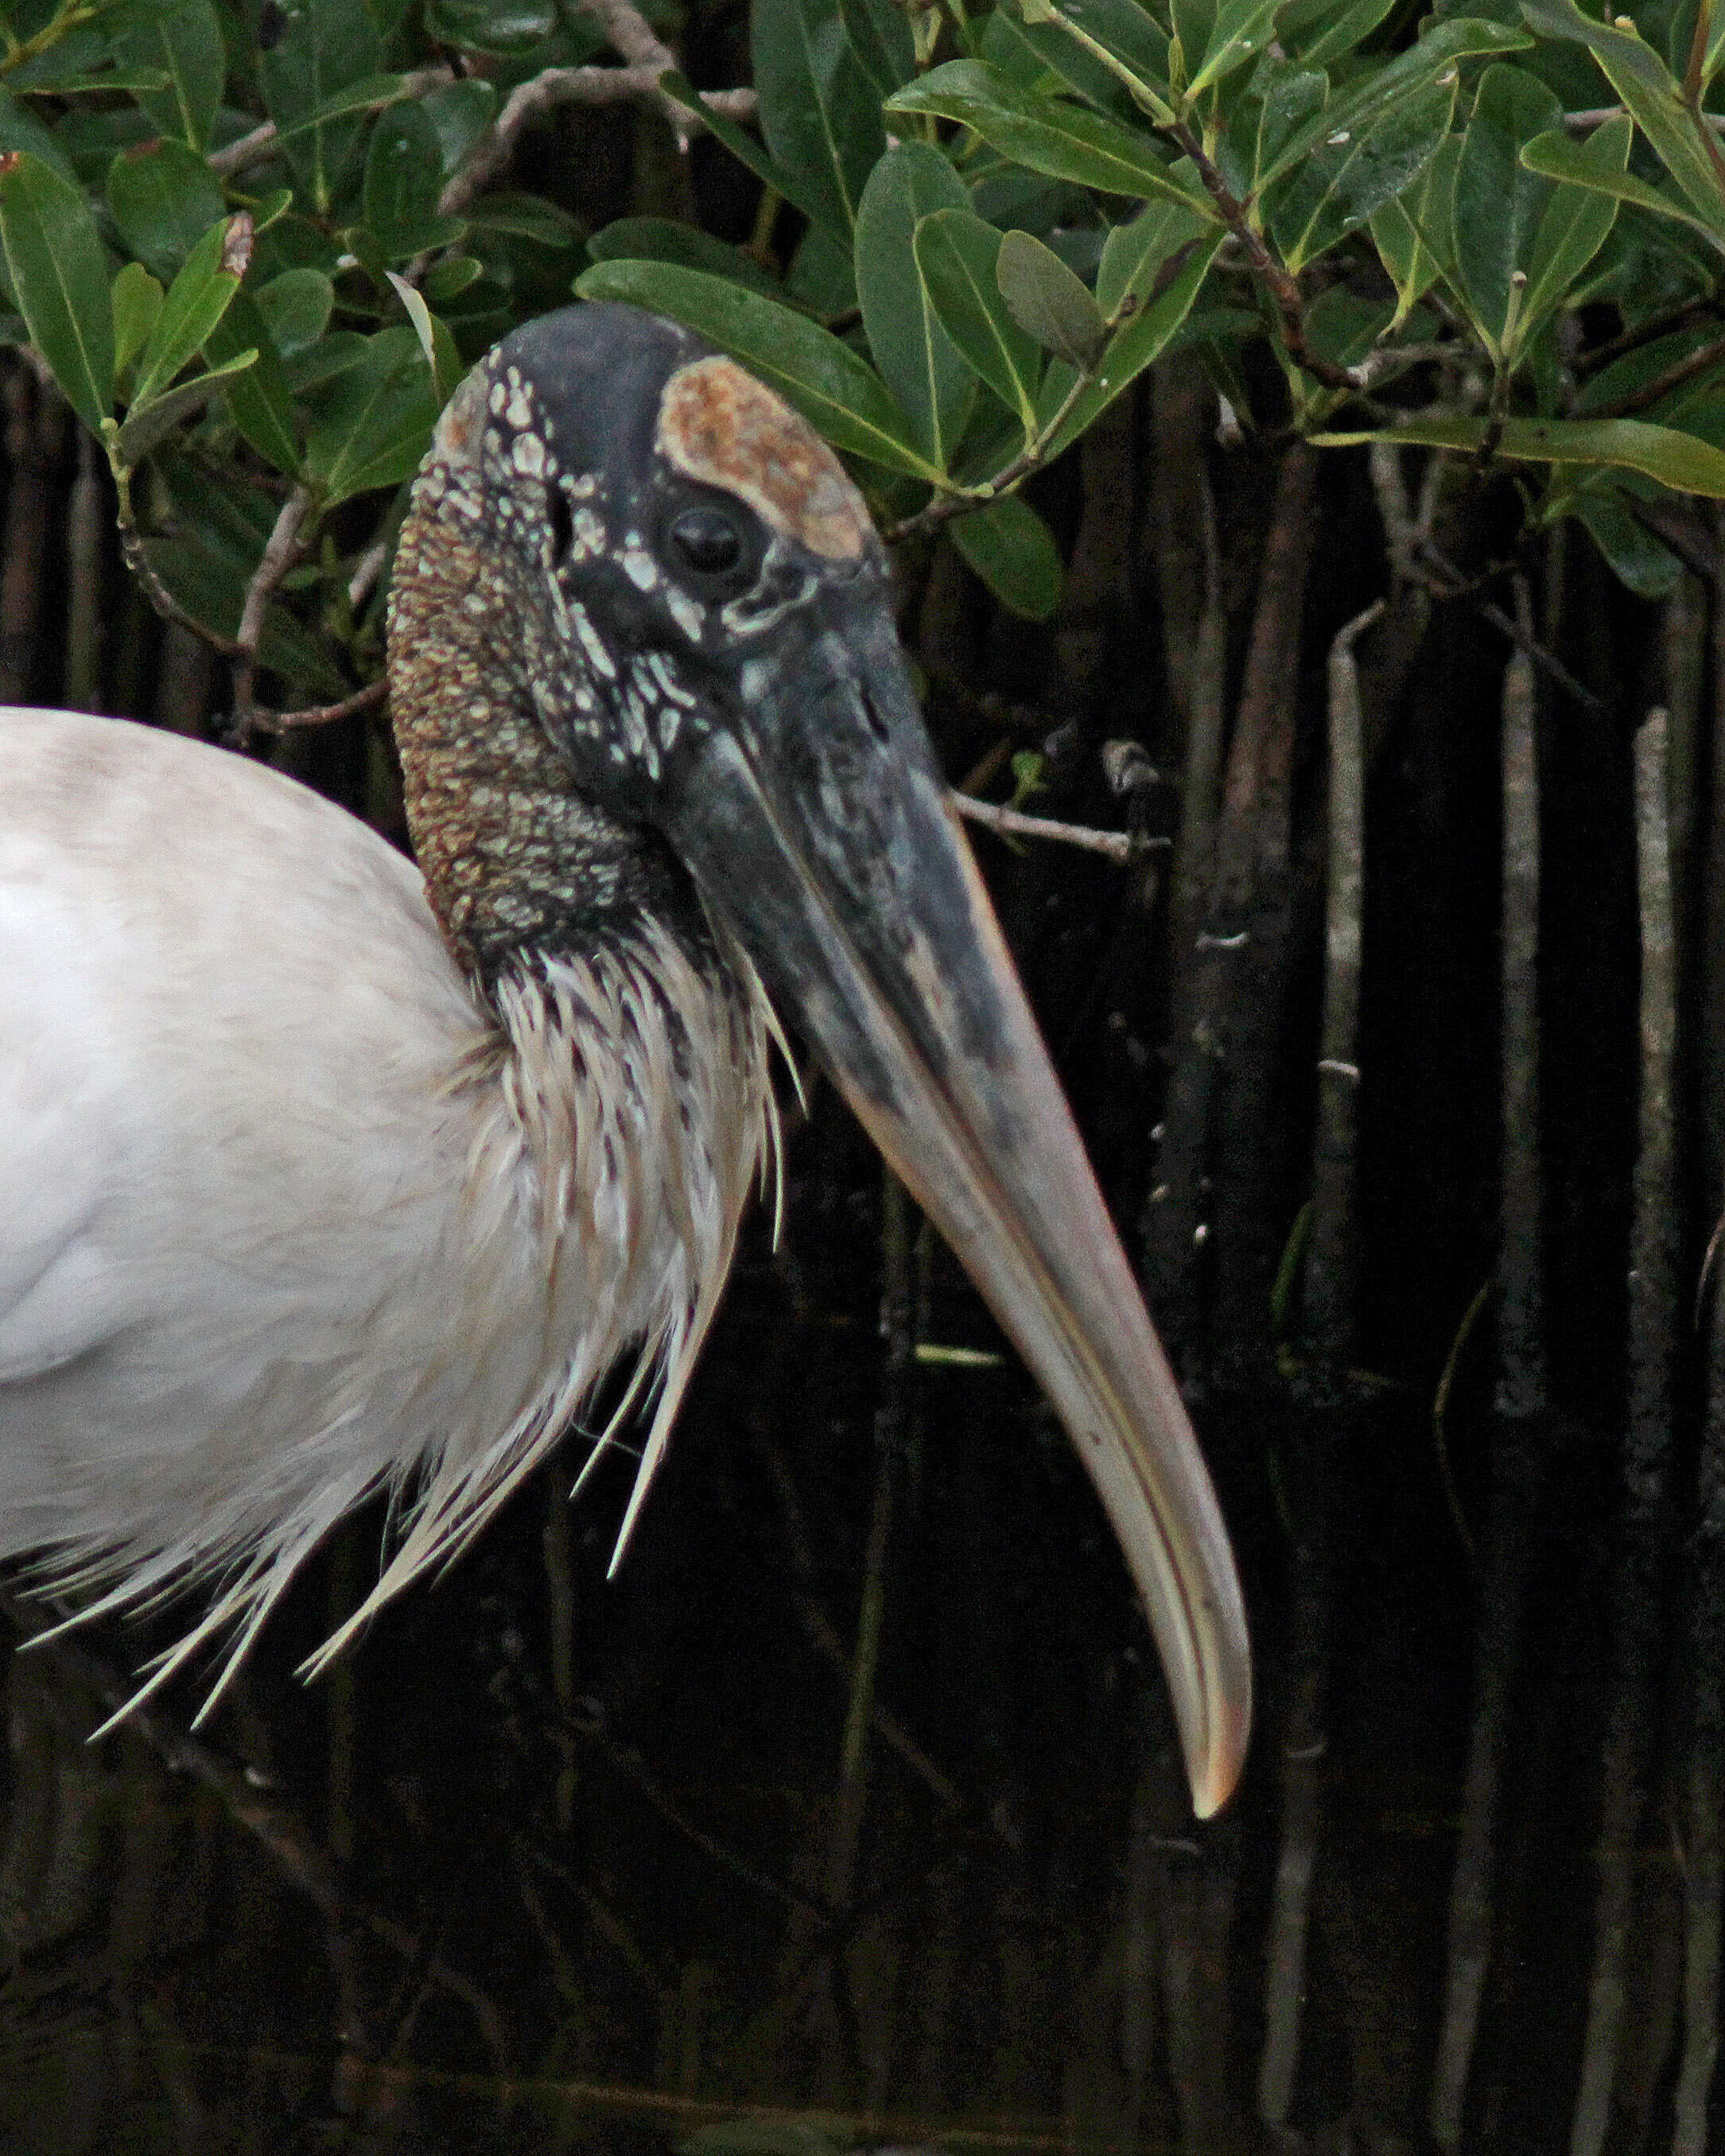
689,600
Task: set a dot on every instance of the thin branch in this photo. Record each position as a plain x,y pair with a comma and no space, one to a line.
1673,377
1118,846
320,715
252,148
278,555
584,85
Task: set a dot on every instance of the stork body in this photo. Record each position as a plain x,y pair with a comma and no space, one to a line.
289,1207
317,1179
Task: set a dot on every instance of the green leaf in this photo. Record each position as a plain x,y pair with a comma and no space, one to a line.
326,47
744,147
1013,551
1129,41
515,216
211,589
1312,36
835,389
261,402
1498,203
196,302
163,198
1653,98
1675,460
1353,171
20,130
1559,158
1413,231
1411,75
297,306
957,255
183,43
403,178
820,113
1133,255
1135,345
369,426
880,35
59,279
1576,225
662,239
146,424
1650,570
1242,30
460,112
136,300
1047,301
491,25
916,357
1064,141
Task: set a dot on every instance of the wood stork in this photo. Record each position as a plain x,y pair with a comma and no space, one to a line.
321,1174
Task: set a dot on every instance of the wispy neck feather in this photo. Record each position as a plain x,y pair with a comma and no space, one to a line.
613,1110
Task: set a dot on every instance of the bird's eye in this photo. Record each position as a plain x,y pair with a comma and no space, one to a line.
708,540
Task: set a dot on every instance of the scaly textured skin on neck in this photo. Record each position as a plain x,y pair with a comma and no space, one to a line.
516,859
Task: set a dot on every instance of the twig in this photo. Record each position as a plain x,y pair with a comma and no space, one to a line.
1118,846
1661,386
585,85
319,715
278,557
252,148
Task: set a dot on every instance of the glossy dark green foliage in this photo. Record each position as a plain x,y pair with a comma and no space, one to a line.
991,233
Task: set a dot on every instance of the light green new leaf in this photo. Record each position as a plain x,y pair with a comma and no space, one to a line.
1047,301
136,300
956,257
59,279
1353,171
1065,141
1013,551
917,360
1560,158
196,302
146,424
1675,460
835,388
163,198
1576,225
1652,96
435,341
182,43
1498,203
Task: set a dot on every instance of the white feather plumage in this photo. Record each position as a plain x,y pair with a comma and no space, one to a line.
291,1216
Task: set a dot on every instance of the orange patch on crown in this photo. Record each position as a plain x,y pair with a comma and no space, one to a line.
719,426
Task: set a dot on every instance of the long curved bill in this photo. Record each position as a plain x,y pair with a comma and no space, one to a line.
824,838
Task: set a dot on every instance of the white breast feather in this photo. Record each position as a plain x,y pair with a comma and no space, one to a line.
287,1219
